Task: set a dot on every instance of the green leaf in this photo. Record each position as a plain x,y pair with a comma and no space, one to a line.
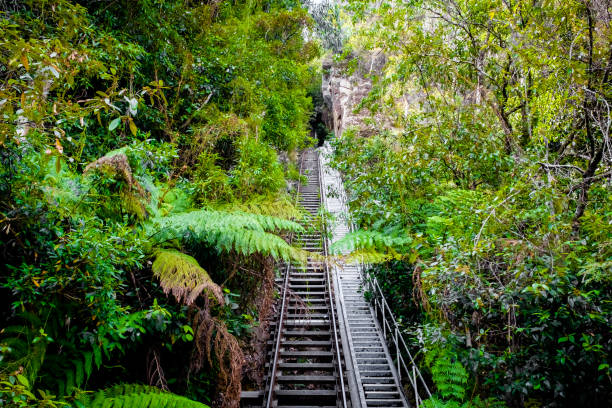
97,357
133,127
79,373
114,123
24,381
88,364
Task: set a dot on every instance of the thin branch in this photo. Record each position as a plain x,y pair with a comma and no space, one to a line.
492,213
561,166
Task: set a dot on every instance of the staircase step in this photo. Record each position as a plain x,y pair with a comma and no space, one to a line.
306,379
307,366
303,343
384,403
287,354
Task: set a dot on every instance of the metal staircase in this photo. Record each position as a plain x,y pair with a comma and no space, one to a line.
330,347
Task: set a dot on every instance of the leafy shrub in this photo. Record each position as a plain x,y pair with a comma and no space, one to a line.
258,171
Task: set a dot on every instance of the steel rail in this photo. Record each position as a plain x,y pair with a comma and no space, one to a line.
331,298
279,330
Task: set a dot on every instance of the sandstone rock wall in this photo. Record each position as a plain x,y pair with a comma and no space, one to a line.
343,92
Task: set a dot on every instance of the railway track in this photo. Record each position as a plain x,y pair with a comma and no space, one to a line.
305,360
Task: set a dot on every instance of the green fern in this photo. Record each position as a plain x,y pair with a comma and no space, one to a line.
134,395
450,378
282,207
23,347
231,231
435,402
448,374
183,276
372,246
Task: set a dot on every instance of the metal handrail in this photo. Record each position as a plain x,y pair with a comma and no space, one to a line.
391,329
357,393
393,335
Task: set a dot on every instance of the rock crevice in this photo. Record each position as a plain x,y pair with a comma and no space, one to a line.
344,86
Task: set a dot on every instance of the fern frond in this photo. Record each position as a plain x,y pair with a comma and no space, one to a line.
434,402
281,207
134,395
372,246
448,374
227,231
183,276
367,256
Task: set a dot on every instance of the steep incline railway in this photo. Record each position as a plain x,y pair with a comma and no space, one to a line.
305,360
329,347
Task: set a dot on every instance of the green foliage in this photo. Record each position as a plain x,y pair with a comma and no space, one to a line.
16,392
211,181
236,231
493,159
23,348
278,206
134,395
452,380
373,246
448,374
435,402
182,275
125,119
258,171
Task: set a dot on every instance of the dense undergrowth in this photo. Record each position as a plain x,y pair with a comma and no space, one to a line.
495,175
145,149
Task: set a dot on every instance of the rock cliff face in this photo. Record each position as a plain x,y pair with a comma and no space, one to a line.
344,91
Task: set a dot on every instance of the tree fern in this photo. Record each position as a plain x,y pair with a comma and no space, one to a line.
133,395
226,231
183,276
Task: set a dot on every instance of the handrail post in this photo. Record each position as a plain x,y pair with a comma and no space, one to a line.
384,320
376,307
397,349
414,384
